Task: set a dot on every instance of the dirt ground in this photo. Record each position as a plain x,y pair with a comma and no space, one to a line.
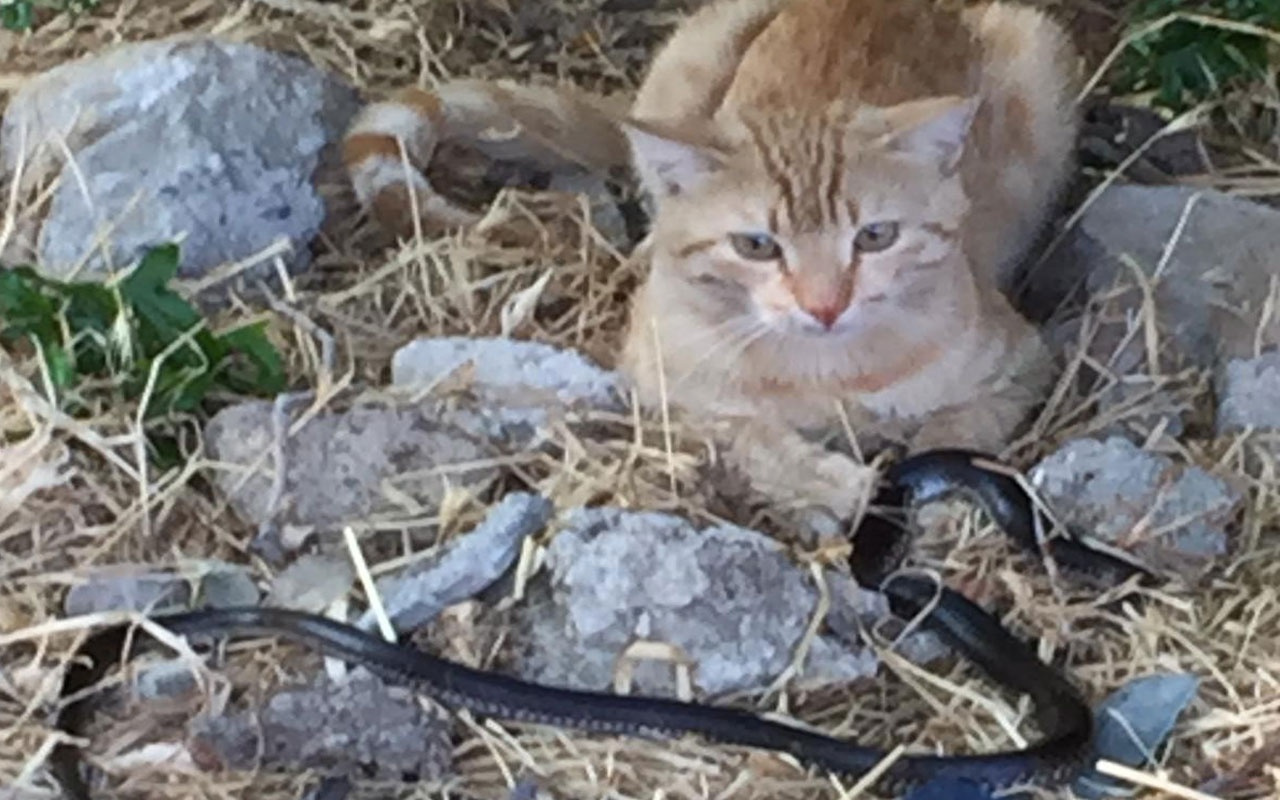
96,506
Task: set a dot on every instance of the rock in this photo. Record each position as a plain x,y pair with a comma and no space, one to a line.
206,584
464,567
128,589
1171,515
360,727
1132,725
217,142
1209,295
227,586
518,383
728,597
1211,291
1248,389
336,465
313,582
166,680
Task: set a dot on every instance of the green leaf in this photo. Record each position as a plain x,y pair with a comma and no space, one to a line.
18,16
1187,62
117,334
265,368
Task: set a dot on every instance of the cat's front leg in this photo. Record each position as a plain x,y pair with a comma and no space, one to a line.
792,471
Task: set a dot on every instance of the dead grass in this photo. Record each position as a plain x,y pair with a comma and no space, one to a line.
74,492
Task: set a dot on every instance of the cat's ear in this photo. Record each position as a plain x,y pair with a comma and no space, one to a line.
935,130
670,163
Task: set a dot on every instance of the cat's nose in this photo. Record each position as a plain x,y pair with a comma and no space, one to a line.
825,313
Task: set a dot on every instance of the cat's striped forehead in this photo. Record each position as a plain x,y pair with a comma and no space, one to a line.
806,162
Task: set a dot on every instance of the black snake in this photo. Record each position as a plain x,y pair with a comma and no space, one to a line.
880,544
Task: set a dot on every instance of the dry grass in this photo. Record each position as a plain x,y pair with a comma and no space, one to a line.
74,493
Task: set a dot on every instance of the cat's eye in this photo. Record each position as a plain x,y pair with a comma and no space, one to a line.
755,246
876,236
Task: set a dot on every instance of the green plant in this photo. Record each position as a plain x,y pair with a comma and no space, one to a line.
136,335
20,15
1211,45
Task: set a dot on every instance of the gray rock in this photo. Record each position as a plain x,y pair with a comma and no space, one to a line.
166,680
728,597
313,581
518,383
217,142
464,567
1211,292
336,465
1169,514
361,727
1132,725
1249,394
125,589
1209,296
228,586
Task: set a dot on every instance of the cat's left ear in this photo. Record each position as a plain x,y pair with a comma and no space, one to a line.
934,130
669,162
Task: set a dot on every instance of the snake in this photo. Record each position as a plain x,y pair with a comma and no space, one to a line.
881,542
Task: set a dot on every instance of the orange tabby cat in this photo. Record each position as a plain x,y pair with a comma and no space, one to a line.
841,187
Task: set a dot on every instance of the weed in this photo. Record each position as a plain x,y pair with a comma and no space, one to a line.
135,335
20,15
1190,60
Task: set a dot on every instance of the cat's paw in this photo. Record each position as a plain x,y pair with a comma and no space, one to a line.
971,429
839,484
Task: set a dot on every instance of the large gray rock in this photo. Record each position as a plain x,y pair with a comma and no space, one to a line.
1212,278
728,597
1209,259
216,143
519,385
1171,515
337,465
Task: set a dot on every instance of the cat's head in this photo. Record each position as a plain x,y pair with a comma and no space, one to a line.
811,226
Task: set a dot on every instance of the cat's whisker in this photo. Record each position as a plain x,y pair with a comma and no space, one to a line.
734,345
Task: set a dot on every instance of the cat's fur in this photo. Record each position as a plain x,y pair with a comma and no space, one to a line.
808,120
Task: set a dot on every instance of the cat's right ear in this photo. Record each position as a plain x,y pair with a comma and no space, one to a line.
669,163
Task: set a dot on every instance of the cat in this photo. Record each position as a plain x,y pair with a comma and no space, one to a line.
843,191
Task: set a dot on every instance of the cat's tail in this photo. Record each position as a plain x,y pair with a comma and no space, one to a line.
391,142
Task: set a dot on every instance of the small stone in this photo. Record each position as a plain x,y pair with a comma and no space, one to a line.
166,680
1249,394
128,590
464,567
313,582
1166,513
727,597
209,142
361,727
228,586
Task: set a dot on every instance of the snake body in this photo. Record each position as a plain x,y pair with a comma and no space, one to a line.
879,547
